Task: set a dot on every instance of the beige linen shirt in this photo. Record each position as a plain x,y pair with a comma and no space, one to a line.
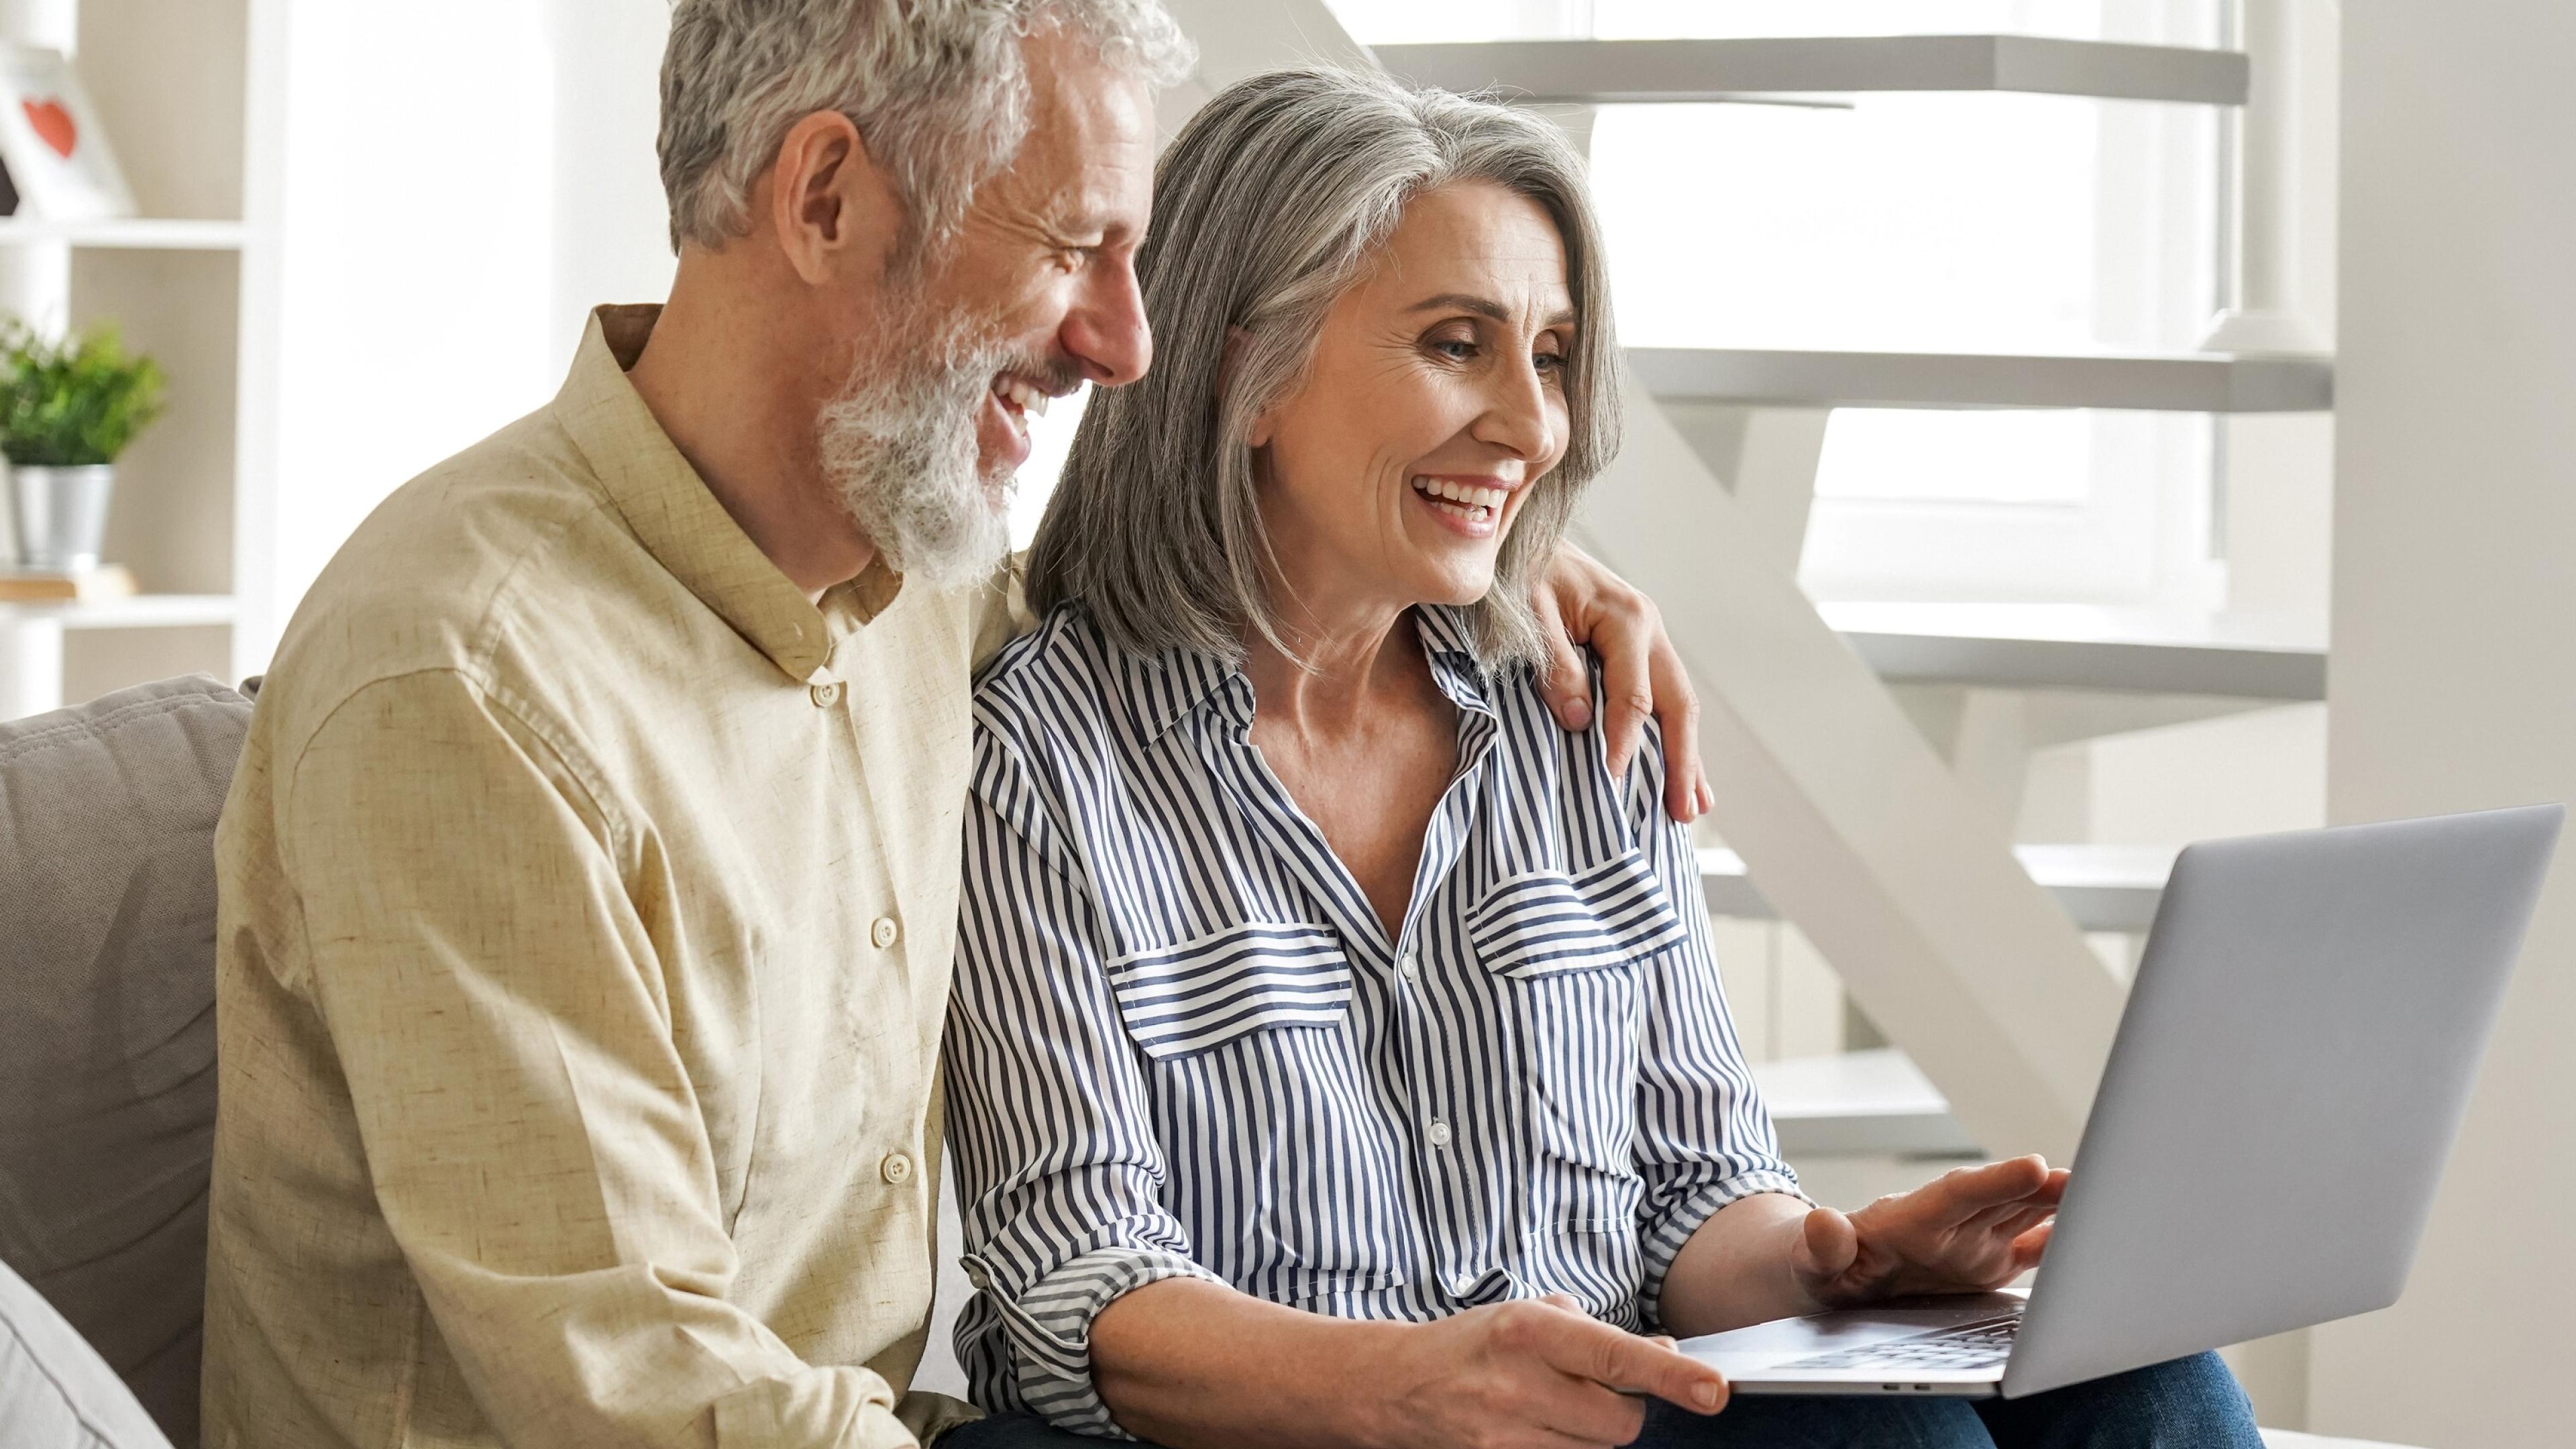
587,903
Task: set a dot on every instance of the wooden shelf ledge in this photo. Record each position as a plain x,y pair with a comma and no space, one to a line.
143,611
132,234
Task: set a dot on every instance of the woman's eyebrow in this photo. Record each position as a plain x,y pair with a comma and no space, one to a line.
1482,307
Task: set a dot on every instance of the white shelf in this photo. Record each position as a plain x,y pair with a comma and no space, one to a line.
2102,887
1606,72
1859,1103
2183,382
132,234
143,611
2077,646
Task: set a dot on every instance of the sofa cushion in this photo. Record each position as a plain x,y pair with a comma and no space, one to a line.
107,1048
55,1391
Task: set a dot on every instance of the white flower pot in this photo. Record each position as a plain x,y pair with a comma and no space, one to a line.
61,515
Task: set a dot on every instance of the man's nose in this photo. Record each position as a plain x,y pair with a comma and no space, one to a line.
1106,331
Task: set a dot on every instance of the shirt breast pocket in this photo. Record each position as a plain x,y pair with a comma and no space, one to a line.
1185,1000
1566,951
1282,1169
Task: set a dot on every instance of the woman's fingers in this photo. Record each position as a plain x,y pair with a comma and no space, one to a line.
2031,1246
1960,1195
1826,1247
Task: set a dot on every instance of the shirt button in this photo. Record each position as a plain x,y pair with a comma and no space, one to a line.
1411,966
897,1168
884,932
1439,1133
1463,1284
825,695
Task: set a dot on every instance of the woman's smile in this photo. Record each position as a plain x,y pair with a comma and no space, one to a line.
1472,505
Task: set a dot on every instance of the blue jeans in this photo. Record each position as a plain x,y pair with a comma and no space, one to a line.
2191,1403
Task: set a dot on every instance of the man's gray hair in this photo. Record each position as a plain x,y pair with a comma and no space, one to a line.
937,88
1269,206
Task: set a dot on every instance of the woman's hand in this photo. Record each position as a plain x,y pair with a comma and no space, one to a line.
1579,602
1969,1230
1536,1374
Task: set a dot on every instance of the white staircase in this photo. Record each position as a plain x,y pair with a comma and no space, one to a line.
2100,887
2195,382
1615,72
2248,656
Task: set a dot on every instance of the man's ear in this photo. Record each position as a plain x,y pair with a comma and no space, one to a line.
829,202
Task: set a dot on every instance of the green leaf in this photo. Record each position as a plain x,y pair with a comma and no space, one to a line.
72,402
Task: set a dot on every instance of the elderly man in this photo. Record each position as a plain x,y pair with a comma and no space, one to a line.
589,883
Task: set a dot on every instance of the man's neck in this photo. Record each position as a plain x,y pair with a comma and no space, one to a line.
738,396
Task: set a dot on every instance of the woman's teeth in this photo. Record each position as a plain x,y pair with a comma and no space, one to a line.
1466,500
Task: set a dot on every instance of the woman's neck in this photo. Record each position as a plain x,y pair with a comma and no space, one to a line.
1344,671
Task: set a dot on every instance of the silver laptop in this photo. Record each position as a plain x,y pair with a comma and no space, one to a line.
2263,1150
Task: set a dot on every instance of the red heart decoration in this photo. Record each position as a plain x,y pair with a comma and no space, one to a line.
53,125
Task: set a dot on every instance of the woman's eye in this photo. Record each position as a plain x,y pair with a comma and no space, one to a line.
1457,349
1548,362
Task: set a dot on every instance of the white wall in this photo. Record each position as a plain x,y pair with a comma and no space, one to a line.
2454,675
460,182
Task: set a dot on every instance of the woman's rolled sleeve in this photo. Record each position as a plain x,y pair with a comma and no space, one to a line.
1704,1137
1050,1124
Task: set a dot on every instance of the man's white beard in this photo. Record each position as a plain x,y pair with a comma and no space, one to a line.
900,446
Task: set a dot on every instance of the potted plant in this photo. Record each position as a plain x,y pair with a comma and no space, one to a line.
67,409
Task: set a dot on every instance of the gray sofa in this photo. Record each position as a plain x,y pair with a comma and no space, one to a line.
107,1031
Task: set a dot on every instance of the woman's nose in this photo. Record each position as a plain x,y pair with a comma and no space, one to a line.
1518,417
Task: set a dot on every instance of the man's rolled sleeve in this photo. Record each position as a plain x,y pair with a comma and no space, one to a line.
533,1140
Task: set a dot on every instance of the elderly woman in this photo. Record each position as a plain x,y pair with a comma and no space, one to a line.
1336,1056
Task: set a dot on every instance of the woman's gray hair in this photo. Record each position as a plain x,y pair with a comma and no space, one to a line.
1268,206
937,87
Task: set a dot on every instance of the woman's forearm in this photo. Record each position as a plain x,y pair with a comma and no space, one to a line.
1735,1269
1191,1364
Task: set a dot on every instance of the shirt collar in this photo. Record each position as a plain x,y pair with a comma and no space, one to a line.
676,518
1165,687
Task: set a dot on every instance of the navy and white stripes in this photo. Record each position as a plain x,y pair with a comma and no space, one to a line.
1182,1045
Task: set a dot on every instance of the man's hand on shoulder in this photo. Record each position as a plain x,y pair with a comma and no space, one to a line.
1582,603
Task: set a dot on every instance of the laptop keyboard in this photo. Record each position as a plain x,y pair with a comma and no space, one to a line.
1980,1345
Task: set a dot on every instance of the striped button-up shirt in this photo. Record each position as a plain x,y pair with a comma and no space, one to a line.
1183,1045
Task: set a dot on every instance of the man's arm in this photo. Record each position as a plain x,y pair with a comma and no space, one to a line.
503,1023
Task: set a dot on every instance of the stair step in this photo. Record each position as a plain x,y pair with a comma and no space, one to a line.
1854,1104
2180,383
2102,887
1608,72
2080,646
